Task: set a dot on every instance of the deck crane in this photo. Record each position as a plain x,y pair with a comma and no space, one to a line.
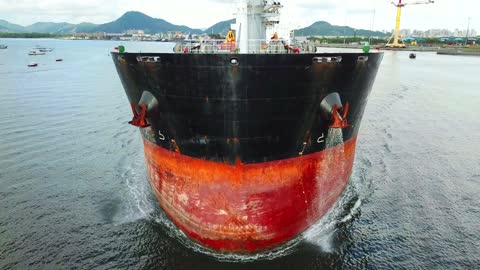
396,41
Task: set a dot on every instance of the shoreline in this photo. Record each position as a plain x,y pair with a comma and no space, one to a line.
459,51
348,46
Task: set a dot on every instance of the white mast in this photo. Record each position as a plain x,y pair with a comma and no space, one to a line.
253,19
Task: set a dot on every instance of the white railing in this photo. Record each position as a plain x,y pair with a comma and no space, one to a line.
256,46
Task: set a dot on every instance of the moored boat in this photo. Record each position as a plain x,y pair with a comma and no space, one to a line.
36,52
43,49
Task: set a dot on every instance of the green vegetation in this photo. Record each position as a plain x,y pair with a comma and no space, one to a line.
10,27
220,28
322,28
59,28
46,27
130,20
140,21
30,35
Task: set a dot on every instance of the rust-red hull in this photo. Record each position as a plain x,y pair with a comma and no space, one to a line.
248,208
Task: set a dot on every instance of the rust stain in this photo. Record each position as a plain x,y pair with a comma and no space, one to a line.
247,207
175,146
280,172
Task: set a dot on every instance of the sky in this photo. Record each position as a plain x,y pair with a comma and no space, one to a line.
443,14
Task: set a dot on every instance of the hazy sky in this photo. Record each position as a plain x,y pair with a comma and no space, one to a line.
449,14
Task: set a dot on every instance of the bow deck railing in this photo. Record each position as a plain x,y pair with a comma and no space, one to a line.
256,46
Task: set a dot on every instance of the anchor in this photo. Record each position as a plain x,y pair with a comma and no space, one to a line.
148,104
340,120
333,110
139,118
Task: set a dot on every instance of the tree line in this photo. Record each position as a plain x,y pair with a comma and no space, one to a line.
29,35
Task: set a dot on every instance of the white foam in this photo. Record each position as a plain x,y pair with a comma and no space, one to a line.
334,137
322,234
137,204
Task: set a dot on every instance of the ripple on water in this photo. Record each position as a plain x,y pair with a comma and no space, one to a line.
141,204
72,197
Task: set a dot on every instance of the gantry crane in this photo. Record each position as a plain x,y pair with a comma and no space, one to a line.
396,41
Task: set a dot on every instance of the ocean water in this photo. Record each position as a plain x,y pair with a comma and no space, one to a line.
74,193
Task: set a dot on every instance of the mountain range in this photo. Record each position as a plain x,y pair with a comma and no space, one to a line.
140,21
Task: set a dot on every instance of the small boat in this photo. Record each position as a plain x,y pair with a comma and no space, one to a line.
33,65
43,49
2,47
413,56
36,52
59,60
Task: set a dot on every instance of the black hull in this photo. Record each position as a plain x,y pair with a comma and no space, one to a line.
258,109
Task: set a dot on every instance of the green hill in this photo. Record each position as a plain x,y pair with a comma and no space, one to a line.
140,21
130,20
10,27
322,28
84,28
60,28
220,28
48,27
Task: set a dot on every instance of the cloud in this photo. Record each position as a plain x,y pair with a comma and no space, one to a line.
29,11
204,13
318,5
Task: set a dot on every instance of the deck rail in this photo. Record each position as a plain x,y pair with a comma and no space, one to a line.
256,46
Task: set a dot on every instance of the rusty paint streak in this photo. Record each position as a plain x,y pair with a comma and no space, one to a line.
175,147
247,207
213,172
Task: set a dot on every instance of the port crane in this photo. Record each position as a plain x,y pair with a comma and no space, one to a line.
396,40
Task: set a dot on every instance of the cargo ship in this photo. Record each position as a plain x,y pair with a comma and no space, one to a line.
250,140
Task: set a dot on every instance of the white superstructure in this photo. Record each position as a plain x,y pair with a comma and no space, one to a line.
256,32
254,20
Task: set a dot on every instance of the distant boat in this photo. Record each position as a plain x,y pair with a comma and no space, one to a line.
3,47
36,52
33,65
413,56
59,60
43,49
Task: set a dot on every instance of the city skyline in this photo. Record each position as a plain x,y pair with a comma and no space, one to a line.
368,14
438,33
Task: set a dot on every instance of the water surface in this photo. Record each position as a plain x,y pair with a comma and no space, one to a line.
74,194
